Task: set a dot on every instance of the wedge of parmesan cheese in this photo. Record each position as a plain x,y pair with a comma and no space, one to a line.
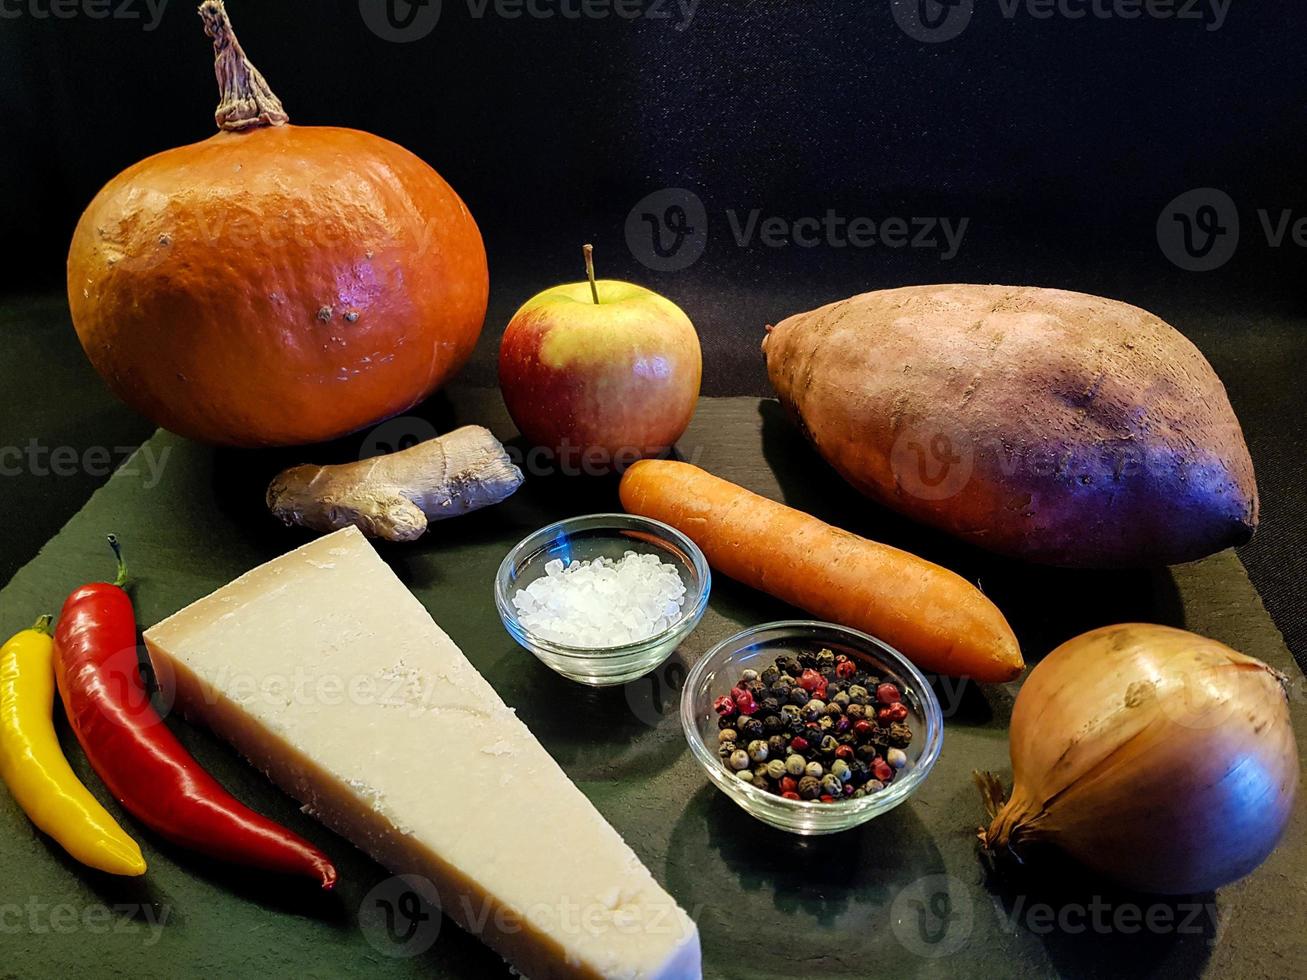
330,676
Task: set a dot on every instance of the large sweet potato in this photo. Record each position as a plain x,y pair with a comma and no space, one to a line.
1053,426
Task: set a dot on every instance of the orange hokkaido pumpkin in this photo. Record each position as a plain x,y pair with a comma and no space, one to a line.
275,284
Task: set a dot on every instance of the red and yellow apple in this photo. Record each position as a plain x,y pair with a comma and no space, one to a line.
601,372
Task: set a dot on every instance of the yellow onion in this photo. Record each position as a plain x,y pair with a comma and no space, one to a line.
1160,759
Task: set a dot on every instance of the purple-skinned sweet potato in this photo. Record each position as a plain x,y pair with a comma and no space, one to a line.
1053,426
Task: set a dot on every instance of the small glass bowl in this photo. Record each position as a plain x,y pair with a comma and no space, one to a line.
604,536
720,668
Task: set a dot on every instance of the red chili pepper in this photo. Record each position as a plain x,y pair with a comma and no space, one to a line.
139,759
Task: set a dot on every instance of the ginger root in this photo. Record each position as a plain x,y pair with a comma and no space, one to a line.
396,496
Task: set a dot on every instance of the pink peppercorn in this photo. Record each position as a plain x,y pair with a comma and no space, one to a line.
798,744
827,798
845,669
882,770
888,694
789,785
789,794
810,680
724,706
844,752
746,704
862,728
895,712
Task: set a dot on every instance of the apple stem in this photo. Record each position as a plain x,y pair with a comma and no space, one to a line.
589,252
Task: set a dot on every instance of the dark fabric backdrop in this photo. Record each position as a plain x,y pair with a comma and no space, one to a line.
1060,140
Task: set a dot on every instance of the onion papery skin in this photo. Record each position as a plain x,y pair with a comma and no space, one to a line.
1160,759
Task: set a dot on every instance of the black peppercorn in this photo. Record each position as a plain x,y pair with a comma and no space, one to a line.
856,712
769,706
750,728
776,745
809,787
900,735
799,697
770,676
772,724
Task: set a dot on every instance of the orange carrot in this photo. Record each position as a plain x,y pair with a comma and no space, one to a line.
937,619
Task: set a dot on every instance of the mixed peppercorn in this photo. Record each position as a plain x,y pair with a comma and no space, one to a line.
813,726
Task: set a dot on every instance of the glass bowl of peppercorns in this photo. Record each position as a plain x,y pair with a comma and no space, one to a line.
811,727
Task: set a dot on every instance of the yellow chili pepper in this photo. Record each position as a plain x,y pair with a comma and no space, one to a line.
34,767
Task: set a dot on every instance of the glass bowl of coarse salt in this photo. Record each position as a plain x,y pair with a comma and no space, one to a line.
603,599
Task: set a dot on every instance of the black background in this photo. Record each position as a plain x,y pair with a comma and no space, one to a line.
1061,141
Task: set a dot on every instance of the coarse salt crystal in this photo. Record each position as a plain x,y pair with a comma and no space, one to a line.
602,603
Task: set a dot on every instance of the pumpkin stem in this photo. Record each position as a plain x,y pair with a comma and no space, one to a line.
245,101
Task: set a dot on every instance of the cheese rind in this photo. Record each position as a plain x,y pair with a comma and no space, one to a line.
329,675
